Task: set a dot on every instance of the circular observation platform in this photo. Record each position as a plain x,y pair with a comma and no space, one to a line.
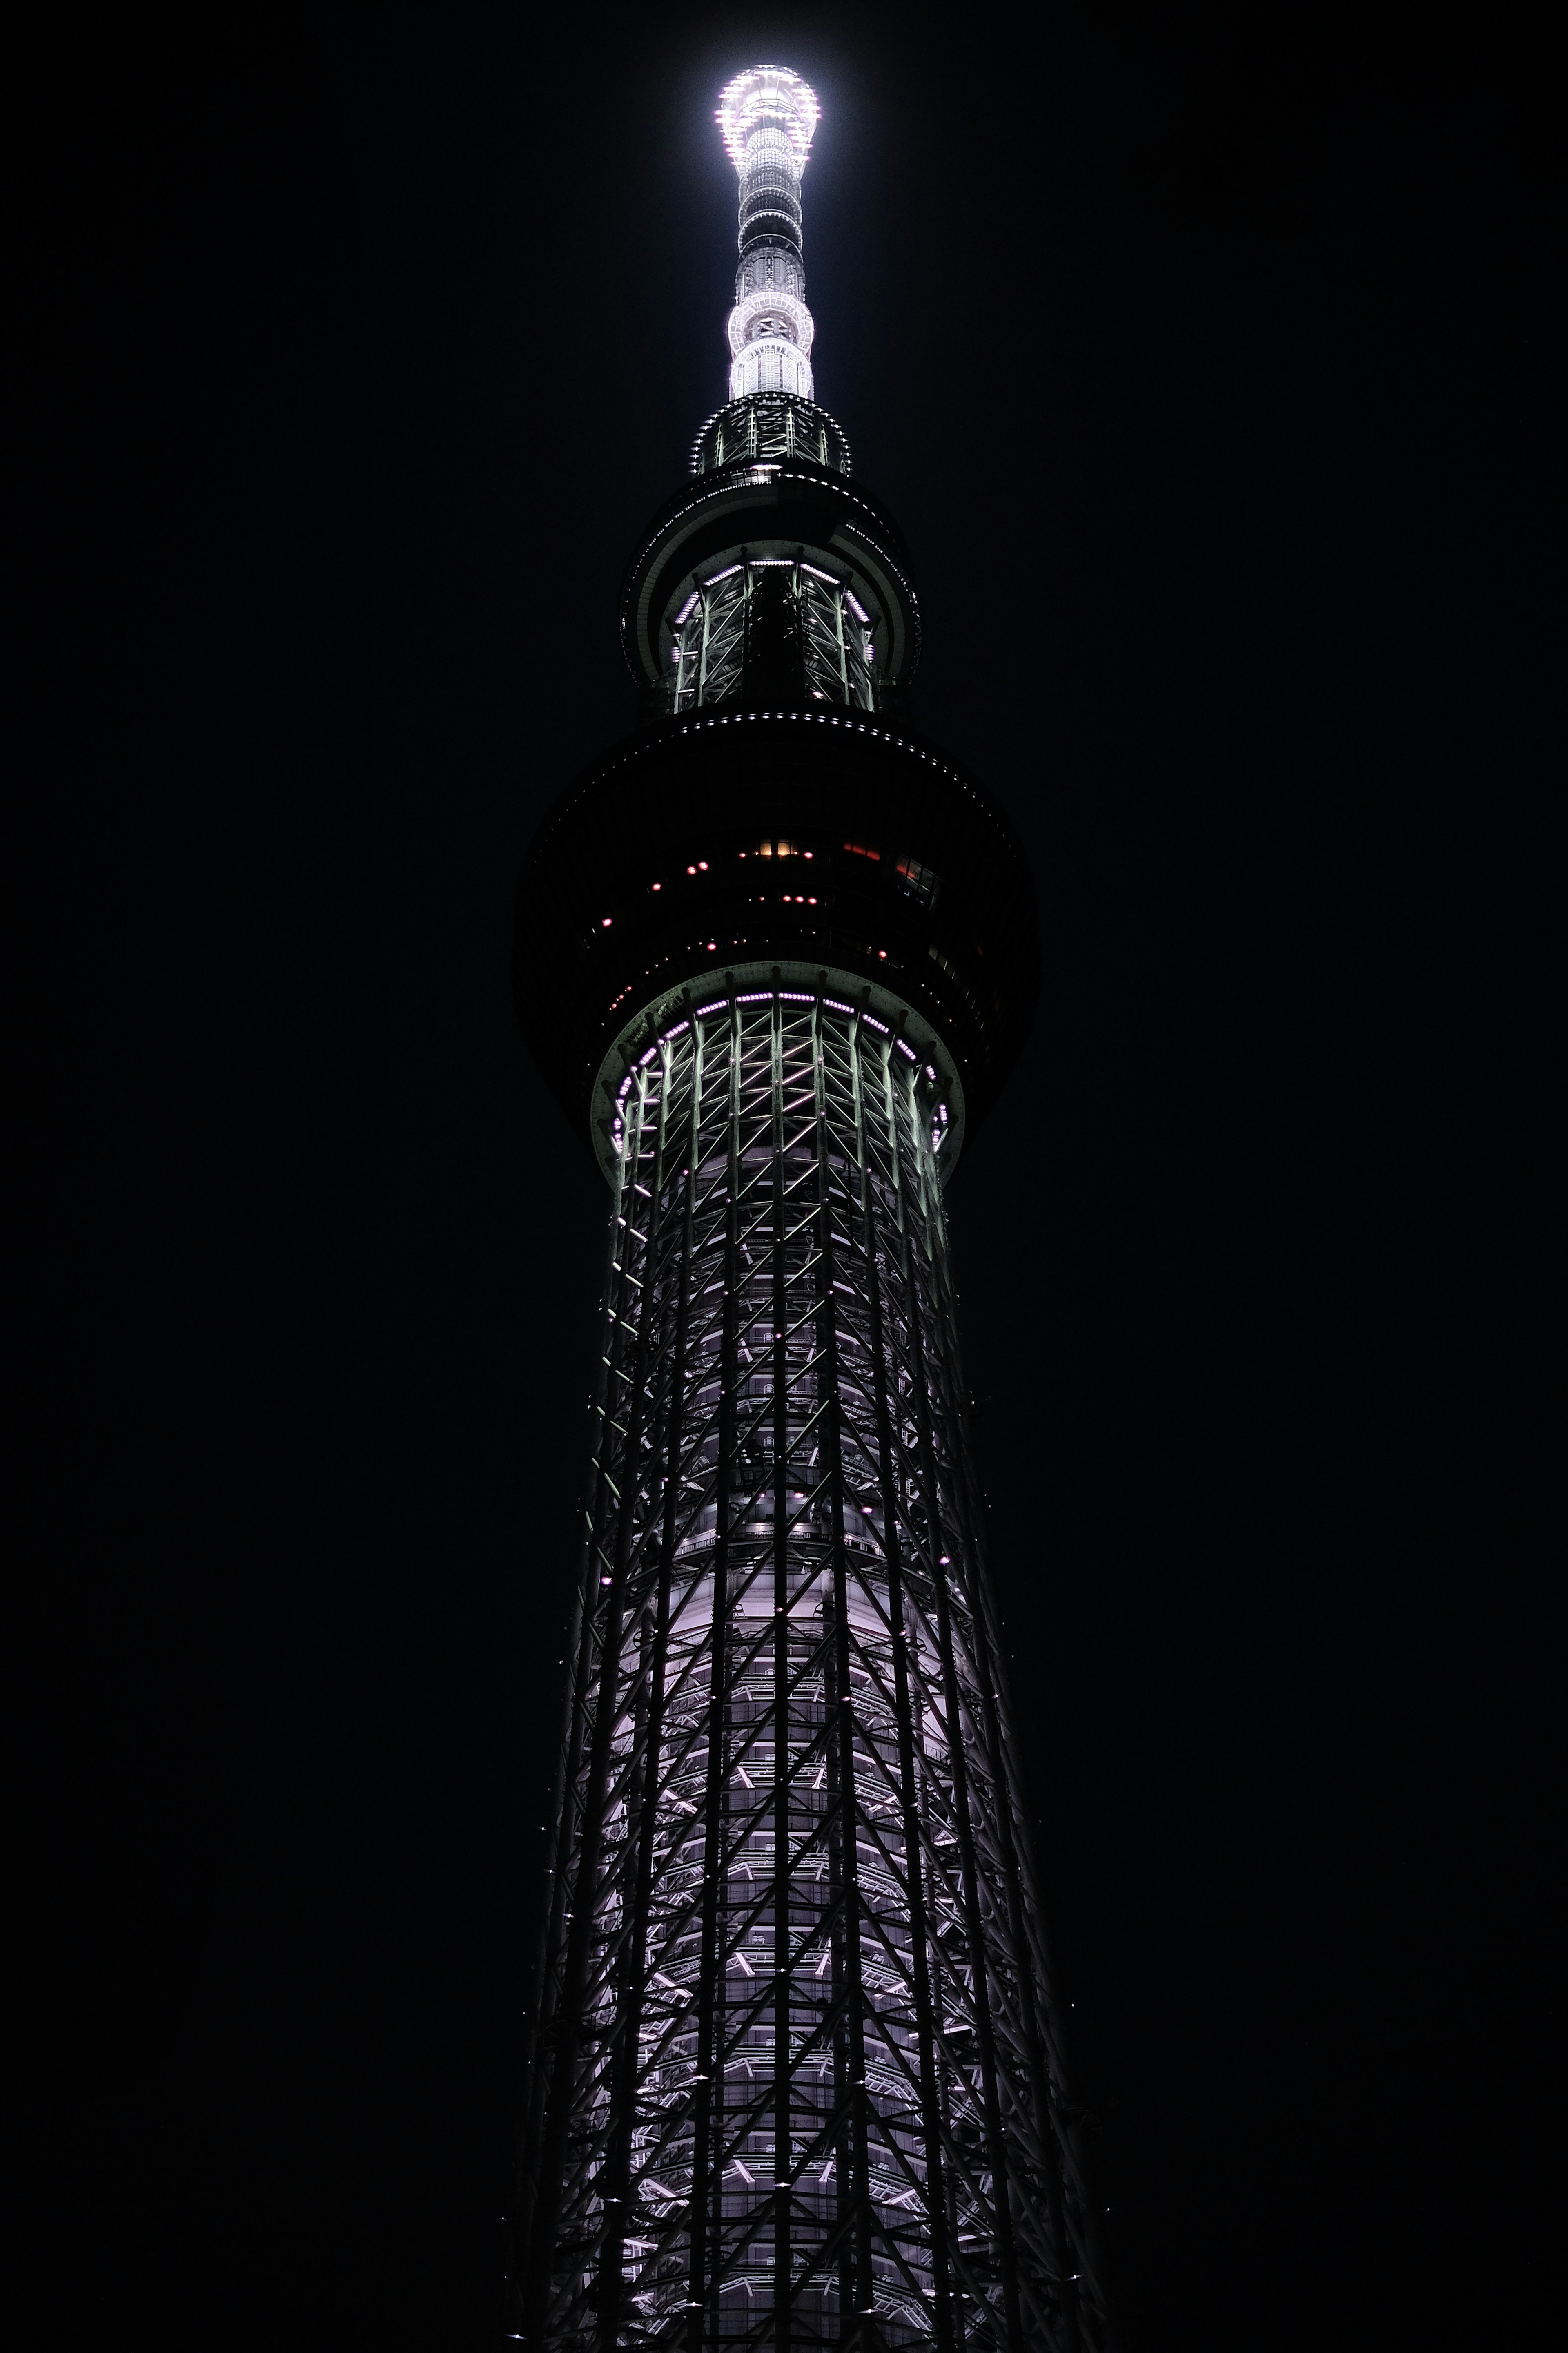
770,509
760,425
799,849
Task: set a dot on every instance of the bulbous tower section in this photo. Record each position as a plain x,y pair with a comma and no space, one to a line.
798,2073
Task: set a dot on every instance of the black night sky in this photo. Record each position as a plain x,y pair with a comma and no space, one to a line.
1204,365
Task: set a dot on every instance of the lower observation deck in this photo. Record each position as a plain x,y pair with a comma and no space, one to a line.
700,851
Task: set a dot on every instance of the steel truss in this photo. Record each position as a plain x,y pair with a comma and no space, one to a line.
770,424
797,2078
765,603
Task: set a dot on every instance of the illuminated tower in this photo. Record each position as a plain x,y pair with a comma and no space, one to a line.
797,2075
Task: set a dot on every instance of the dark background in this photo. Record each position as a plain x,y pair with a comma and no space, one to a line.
1204,356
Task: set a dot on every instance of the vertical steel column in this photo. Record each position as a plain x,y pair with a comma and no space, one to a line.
706,2194
702,654
852,2038
629,2022
568,2011
783,1876
1032,1977
673,1455
963,1811
919,1968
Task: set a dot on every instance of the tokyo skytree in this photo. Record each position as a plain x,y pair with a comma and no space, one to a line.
796,2074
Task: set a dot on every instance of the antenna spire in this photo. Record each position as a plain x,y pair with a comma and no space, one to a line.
767,116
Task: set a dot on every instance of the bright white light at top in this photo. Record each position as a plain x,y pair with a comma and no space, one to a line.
769,94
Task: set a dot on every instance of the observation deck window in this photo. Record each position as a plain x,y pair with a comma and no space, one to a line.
808,608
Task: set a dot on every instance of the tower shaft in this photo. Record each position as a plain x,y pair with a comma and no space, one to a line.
802,2067
797,2073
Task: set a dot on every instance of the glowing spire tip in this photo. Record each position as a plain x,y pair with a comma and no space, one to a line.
770,95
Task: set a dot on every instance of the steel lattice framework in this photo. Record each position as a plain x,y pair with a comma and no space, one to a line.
797,2076
797,2073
